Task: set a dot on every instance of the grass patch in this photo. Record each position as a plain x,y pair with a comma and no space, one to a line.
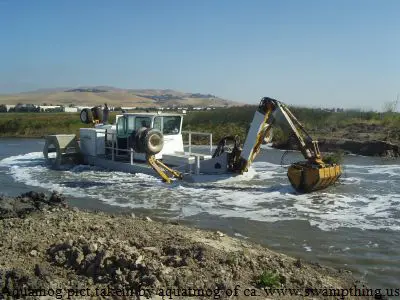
40,124
220,122
334,158
268,279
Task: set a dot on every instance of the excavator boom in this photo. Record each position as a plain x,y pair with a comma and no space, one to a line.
305,176
259,128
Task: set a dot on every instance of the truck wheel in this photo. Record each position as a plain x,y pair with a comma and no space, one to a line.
153,141
86,116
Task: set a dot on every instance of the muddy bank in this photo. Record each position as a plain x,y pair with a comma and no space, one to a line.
357,138
366,148
61,252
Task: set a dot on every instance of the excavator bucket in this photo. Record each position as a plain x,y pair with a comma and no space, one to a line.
306,177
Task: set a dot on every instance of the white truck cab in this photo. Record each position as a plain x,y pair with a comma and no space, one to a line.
170,125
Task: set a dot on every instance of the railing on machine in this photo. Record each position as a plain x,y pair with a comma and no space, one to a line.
190,133
115,149
158,166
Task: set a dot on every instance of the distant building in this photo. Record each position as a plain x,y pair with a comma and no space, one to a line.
26,108
71,109
128,107
10,107
82,107
49,107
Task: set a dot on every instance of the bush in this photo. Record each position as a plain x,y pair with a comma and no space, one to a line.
279,136
268,279
334,158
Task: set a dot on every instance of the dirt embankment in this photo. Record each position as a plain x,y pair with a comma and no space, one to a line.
367,148
361,139
49,249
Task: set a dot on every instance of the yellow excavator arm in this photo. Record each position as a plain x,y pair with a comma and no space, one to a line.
259,129
305,176
162,169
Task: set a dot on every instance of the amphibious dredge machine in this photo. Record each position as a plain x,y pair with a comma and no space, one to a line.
152,143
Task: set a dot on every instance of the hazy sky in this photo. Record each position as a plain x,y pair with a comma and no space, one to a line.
340,53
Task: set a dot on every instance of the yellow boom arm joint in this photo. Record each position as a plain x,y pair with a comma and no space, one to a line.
162,168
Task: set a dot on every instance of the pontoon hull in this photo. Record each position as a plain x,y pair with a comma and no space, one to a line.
139,167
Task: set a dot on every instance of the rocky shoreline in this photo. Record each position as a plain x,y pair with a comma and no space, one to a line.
51,250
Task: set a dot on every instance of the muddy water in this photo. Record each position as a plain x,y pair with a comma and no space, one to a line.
354,225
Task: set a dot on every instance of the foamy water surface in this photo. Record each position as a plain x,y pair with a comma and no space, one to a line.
372,203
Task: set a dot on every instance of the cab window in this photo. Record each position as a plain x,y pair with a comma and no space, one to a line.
157,123
142,122
131,124
121,126
171,124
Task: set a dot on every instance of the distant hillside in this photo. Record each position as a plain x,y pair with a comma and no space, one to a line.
115,97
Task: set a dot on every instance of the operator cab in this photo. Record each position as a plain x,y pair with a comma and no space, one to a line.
170,125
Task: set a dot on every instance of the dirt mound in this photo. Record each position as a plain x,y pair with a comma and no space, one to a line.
16,281
69,253
28,203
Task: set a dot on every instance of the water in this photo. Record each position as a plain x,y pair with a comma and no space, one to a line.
353,225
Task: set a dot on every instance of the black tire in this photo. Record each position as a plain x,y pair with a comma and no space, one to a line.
97,113
153,141
148,140
139,140
86,116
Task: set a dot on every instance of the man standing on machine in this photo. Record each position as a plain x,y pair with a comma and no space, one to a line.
105,113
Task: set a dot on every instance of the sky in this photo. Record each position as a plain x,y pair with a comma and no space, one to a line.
316,53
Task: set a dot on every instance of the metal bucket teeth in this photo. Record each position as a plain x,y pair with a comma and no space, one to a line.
306,178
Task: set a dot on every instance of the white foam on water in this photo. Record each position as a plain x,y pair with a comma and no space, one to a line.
350,180
388,169
267,197
22,159
372,245
267,170
224,178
